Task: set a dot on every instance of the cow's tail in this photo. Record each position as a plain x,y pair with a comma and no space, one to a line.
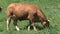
9,11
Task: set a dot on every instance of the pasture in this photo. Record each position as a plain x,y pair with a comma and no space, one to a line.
51,9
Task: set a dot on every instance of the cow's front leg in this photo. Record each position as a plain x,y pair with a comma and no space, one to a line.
15,24
30,17
8,22
33,24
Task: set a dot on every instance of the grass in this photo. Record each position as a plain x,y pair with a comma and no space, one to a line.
51,9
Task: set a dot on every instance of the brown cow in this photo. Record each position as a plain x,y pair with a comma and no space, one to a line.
20,12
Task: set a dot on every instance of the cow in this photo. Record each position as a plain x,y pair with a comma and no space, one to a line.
17,11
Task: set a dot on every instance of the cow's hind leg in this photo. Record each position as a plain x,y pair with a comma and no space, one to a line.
8,22
15,24
29,27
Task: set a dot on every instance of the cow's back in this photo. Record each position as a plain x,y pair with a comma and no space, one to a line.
21,9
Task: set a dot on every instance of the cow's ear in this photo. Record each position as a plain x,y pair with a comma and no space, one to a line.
48,20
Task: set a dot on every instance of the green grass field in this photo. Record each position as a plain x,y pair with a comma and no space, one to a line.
51,9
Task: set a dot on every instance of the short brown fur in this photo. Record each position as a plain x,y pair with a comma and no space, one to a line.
18,11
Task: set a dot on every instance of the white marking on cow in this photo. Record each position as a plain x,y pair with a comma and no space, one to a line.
28,28
48,20
34,28
7,25
17,28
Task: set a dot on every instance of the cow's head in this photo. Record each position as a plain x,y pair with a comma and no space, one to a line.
46,23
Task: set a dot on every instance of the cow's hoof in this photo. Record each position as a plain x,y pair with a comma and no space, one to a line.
35,29
28,29
17,28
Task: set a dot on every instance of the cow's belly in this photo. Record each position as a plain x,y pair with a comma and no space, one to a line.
21,17
24,17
